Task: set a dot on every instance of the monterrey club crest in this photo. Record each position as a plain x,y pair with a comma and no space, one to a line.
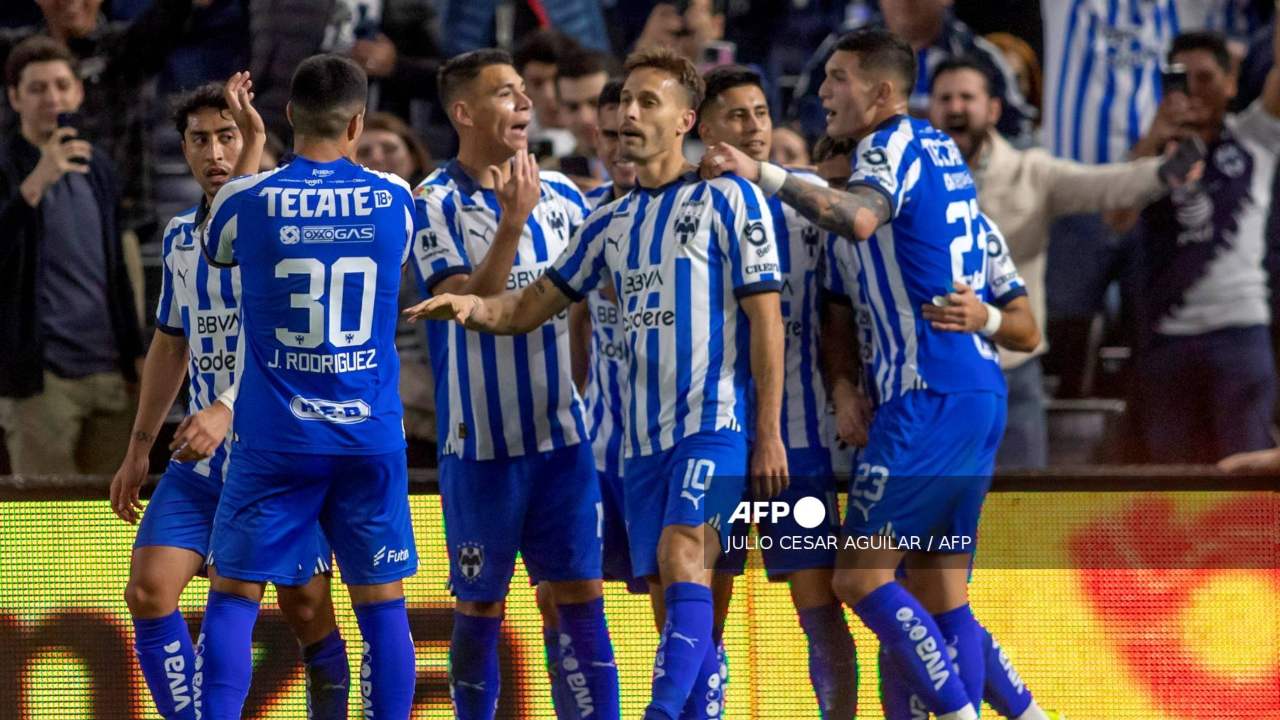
470,561
686,226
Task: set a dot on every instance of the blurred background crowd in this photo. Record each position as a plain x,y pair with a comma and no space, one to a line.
1157,308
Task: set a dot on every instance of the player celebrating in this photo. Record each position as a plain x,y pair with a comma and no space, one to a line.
735,111
940,405
516,471
690,259
196,336
318,432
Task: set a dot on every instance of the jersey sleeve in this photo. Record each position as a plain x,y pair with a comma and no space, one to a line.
219,237
881,162
578,269
168,310
1004,283
747,237
571,198
438,248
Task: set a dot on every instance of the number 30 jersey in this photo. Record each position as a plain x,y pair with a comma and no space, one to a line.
320,247
932,240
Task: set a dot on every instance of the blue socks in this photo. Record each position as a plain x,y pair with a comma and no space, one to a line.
388,671
706,698
587,664
833,664
681,650
473,666
561,698
911,639
898,702
328,678
963,635
225,656
1004,689
168,661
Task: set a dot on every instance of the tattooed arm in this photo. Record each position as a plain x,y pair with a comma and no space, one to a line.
511,313
854,214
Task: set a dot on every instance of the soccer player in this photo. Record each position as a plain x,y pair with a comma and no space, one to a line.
196,337
318,428
516,471
691,260
940,405
735,111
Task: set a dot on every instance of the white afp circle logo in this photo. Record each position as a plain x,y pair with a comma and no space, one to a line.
809,512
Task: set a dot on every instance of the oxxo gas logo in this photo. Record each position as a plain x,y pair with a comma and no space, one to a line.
809,512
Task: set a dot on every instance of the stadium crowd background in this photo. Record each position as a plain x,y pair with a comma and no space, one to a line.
1117,388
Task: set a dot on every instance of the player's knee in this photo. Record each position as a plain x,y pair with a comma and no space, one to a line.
149,598
481,608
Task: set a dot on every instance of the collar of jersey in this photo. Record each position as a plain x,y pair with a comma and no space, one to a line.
465,183
683,179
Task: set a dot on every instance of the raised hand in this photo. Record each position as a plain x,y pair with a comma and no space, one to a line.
518,188
722,158
239,95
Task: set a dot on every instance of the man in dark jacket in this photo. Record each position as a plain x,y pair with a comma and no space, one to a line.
69,337
116,62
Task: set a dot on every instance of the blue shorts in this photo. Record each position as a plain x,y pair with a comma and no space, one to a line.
271,502
927,467
616,560
698,480
787,550
544,505
180,512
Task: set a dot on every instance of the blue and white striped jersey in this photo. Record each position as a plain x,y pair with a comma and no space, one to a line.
201,303
931,241
1102,73
606,394
320,247
846,278
680,257
498,397
805,422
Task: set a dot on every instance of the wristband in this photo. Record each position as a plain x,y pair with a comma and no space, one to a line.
771,178
994,318
228,398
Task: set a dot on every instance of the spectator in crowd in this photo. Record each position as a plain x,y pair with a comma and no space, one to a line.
1205,371
70,344
1025,67
688,32
472,23
789,148
1022,191
580,76
401,55
116,61
536,59
389,145
936,35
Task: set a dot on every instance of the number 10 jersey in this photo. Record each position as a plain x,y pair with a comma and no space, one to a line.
320,247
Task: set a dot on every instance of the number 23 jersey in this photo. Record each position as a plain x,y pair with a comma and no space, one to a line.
320,247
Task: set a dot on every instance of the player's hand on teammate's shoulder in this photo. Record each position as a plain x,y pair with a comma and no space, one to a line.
769,476
200,435
445,306
517,185
960,311
126,486
239,96
1258,461
722,158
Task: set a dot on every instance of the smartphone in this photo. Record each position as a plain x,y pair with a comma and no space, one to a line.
720,53
1174,79
1191,150
575,166
75,121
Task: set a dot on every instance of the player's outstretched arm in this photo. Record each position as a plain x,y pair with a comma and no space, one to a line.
1013,327
238,93
768,455
837,351
853,214
163,371
510,313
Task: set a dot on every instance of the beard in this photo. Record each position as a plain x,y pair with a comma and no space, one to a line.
967,137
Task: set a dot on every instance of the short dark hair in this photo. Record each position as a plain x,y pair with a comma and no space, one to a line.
326,92
963,62
879,49
721,80
460,70
183,106
1212,42
611,93
35,49
545,45
672,63
584,62
828,147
